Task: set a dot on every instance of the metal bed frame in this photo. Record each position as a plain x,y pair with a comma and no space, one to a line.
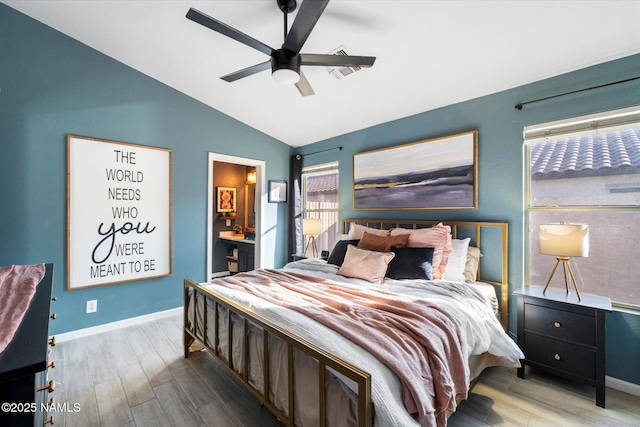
197,297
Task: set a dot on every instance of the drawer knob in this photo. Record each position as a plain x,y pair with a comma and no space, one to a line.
49,387
54,298
51,420
51,365
557,324
557,356
52,341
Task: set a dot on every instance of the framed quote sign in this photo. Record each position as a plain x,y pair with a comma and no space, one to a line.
118,212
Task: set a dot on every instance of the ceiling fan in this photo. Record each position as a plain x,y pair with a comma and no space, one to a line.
285,62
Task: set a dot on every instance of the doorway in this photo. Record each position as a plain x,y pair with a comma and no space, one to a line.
254,202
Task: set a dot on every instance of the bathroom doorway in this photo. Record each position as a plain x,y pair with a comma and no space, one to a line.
243,178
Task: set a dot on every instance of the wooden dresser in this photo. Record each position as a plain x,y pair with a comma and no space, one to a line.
564,336
24,365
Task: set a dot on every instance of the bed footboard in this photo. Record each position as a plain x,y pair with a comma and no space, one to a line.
228,332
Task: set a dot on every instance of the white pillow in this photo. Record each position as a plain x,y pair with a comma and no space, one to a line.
457,260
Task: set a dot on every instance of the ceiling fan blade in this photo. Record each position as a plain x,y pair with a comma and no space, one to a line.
237,75
222,28
308,15
336,60
303,86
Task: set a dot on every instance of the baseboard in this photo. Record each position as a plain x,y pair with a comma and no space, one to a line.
621,385
220,274
81,333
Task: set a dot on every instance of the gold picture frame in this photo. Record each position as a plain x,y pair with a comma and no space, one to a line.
439,173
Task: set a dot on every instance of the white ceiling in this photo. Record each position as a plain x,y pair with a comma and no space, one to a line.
429,53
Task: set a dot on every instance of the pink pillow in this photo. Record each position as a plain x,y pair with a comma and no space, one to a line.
437,237
356,231
367,265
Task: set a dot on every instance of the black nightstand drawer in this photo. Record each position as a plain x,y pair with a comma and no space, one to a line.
561,356
561,324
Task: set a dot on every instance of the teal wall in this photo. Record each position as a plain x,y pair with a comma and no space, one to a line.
500,167
52,86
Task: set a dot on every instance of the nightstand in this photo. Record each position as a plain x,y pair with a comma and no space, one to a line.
563,336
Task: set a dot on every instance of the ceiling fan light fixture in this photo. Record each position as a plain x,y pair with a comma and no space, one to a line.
285,76
285,67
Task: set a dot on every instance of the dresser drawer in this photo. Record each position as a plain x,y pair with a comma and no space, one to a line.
560,355
563,325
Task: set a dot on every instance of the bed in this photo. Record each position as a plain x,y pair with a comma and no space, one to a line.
283,333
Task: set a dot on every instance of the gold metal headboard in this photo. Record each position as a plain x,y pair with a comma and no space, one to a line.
491,237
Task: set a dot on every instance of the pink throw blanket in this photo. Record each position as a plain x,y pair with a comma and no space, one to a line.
17,287
417,340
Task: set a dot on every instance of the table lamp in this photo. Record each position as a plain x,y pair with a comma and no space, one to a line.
311,227
564,241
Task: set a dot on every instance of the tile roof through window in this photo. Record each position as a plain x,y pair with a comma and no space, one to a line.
323,183
596,154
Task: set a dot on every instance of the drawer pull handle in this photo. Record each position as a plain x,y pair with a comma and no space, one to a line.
52,401
51,365
49,387
51,420
53,316
557,324
52,341
557,356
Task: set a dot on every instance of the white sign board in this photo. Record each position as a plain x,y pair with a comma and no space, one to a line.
119,212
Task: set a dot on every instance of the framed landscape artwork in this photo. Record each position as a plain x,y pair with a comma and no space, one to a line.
440,173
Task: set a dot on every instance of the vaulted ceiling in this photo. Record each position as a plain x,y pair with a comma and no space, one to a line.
429,53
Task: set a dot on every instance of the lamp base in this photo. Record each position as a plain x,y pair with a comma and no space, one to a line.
314,248
567,269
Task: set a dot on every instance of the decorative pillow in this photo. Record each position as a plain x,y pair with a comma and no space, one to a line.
437,237
371,242
411,263
339,250
457,260
472,264
356,231
367,265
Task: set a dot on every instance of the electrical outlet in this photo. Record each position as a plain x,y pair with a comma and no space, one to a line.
92,306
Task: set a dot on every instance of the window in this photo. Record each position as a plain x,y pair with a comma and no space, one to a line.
320,200
587,170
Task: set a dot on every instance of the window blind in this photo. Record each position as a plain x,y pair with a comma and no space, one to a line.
593,123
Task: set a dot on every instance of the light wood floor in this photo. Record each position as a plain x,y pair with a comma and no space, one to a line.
136,376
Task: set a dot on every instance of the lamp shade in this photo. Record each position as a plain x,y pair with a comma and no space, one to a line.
570,240
311,226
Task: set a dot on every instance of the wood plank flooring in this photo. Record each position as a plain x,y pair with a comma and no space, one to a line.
137,377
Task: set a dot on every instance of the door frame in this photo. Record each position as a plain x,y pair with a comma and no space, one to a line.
259,204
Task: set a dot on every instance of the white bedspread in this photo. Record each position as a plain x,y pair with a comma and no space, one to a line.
482,330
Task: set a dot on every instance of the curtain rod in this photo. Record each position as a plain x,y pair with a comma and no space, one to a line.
520,105
322,151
